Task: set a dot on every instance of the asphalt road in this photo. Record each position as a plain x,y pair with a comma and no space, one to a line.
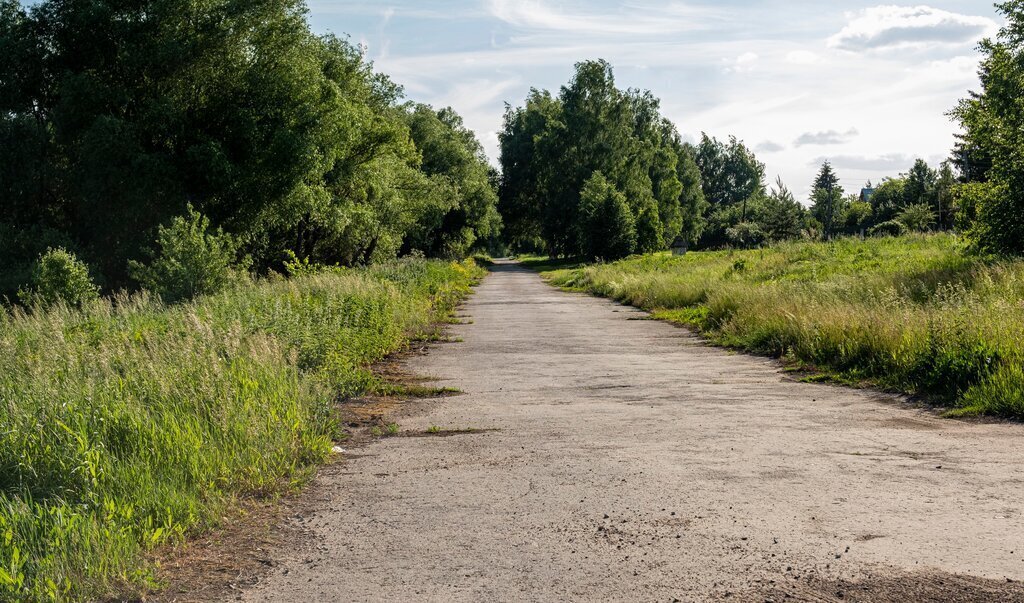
626,460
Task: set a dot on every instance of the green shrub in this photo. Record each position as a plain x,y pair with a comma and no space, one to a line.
192,260
892,228
296,266
59,277
20,248
997,226
745,235
917,217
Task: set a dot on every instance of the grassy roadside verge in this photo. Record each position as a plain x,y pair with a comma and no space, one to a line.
128,425
911,314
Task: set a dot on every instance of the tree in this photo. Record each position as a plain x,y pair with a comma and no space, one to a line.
827,198
524,140
993,123
59,277
857,216
730,173
745,235
692,204
730,177
971,161
887,201
606,228
945,186
467,209
551,148
117,116
192,260
780,215
920,185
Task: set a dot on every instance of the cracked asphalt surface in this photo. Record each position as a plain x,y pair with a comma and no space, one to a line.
627,460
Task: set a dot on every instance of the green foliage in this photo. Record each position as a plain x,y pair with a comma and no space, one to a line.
464,210
945,198
857,215
732,180
553,145
20,248
914,314
779,214
993,121
917,217
745,235
692,203
295,266
730,173
129,425
888,199
606,228
891,228
649,229
59,277
115,116
920,186
192,260
827,202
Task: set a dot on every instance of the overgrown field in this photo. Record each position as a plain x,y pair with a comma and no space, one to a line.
130,424
912,314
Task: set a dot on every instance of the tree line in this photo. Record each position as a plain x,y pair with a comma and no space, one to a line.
119,118
597,172
156,139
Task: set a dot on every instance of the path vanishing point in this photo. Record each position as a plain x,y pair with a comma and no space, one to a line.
625,460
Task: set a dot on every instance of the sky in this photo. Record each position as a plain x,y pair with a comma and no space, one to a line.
864,85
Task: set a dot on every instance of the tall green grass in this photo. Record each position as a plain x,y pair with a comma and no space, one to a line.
913,314
129,424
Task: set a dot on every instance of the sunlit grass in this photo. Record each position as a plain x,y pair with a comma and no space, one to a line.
130,424
913,314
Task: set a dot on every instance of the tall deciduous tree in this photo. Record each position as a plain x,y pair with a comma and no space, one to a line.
921,183
993,121
730,177
454,159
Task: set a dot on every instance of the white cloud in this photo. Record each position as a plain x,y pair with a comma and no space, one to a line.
802,57
769,146
638,19
887,27
826,138
743,63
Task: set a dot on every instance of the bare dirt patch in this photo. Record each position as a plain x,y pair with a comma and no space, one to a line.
894,587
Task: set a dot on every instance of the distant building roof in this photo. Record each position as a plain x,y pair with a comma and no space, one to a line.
866,193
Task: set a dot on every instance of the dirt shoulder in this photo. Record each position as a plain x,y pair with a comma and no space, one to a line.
259,535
